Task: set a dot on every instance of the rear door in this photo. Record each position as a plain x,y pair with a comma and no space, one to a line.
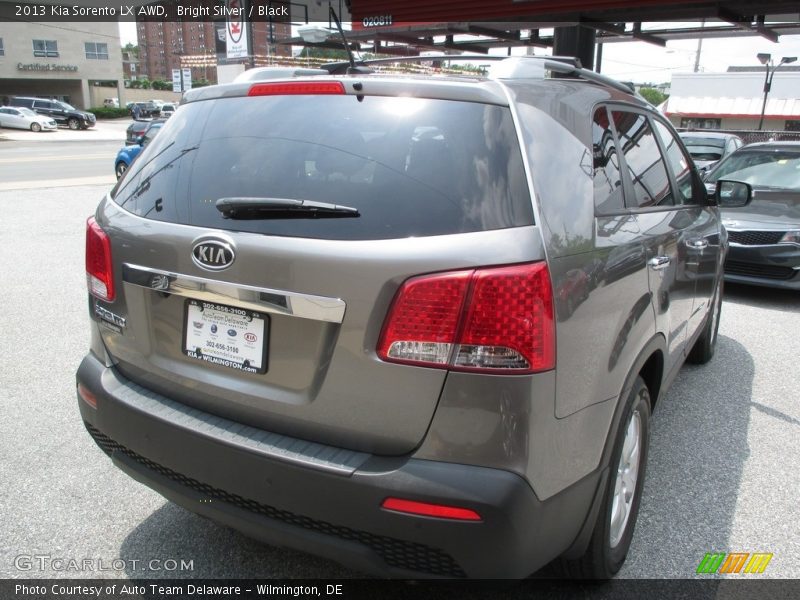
649,195
275,321
702,235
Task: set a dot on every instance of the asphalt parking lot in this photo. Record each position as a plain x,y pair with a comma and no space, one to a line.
722,472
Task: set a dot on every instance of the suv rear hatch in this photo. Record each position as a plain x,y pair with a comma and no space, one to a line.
272,317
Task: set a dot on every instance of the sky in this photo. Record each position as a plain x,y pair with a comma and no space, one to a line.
647,63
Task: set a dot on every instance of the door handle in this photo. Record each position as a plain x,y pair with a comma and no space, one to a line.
700,244
659,263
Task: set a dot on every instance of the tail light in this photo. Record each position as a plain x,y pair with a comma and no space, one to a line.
99,272
299,88
497,320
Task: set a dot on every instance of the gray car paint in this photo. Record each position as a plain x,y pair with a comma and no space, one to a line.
325,382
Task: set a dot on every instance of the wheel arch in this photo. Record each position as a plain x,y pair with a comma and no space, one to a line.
649,365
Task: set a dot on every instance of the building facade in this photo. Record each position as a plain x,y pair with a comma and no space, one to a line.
734,100
200,46
64,61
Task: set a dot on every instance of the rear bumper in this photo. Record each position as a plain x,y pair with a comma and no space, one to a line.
329,512
775,265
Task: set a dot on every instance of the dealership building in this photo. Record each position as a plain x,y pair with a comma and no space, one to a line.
66,61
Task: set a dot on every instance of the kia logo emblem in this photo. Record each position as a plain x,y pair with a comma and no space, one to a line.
213,255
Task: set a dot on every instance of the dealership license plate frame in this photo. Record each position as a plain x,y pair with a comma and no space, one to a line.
208,313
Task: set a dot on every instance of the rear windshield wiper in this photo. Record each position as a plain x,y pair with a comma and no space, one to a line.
281,208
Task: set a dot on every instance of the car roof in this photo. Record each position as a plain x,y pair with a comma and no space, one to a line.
708,134
773,146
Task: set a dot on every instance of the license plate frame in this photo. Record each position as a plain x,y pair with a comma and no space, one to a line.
218,334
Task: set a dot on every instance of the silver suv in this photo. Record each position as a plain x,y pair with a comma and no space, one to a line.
415,324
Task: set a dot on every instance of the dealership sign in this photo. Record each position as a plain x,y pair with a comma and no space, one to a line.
45,67
236,30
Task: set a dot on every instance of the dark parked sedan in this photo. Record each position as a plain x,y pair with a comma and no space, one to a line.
709,147
765,235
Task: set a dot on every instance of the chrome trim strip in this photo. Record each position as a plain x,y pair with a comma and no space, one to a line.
292,304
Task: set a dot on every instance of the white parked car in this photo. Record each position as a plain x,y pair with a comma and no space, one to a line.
24,118
167,110
111,103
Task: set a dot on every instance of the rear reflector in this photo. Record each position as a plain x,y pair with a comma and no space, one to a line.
430,510
299,88
496,320
87,396
99,272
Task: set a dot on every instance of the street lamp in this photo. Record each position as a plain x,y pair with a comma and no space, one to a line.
766,60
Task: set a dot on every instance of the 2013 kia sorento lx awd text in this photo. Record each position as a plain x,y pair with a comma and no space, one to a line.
415,324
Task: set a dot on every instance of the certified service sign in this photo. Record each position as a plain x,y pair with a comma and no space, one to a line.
236,34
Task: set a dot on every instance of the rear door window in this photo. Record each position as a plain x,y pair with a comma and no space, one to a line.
646,168
411,166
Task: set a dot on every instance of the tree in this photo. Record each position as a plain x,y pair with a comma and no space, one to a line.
653,96
131,49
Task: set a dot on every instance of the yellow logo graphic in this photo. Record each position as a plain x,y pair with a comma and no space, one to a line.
735,562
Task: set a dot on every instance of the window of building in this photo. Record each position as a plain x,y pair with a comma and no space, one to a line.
697,123
96,50
791,124
2,48
45,48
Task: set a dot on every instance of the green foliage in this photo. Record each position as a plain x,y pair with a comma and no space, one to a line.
196,83
160,84
653,96
140,84
107,112
132,48
323,53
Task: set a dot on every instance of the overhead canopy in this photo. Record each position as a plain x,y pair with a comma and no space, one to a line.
411,26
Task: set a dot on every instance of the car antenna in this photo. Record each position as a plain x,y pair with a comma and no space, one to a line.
352,68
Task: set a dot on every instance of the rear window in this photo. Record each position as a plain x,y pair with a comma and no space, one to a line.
412,167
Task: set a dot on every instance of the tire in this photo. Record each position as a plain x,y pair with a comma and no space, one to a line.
35,127
616,521
706,344
73,124
120,169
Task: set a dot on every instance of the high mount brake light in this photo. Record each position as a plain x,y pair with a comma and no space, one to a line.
99,270
497,320
299,88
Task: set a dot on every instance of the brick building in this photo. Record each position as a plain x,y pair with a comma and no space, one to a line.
164,46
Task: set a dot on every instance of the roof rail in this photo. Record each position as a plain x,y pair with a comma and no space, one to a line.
518,67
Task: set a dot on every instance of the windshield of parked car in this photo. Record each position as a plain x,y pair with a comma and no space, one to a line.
65,106
27,112
771,169
704,152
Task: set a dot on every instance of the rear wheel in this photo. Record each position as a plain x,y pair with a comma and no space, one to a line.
613,531
36,127
706,344
73,124
120,169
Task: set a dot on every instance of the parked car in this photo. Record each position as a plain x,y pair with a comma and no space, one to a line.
61,112
147,109
25,118
127,154
111,102
336,330
135,130
709,147
765,235
167,110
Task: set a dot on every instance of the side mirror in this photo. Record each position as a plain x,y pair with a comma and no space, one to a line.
733,194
